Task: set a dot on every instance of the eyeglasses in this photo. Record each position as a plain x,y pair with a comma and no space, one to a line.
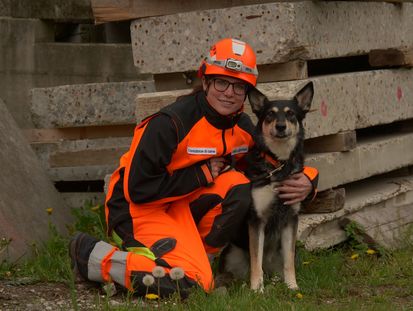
222,85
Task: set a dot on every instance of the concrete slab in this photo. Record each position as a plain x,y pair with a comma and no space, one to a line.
377,202
341,102
371,157
279,32
87,104
26,193
84,173
106,59
85,159
81,199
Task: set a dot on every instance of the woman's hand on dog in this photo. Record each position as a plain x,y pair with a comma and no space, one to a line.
216,165
295,189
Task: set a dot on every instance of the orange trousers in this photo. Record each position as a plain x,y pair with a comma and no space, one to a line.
200,223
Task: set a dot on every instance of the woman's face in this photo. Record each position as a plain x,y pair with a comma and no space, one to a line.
225,94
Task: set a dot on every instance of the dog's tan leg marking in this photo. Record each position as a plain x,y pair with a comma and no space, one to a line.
256,240
288,237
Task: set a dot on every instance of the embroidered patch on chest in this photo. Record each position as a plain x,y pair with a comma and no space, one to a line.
240,149
201,150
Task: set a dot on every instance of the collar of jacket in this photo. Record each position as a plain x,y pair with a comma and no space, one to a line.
217,120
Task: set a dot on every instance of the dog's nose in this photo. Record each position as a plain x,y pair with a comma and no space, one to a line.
280,127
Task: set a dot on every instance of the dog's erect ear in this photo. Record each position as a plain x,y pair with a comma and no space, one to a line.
304,97
256,99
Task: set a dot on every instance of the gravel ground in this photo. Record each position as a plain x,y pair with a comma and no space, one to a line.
18,295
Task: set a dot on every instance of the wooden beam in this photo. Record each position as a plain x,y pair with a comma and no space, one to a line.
343,141
117,10
75,133
391,57
327,201
294,70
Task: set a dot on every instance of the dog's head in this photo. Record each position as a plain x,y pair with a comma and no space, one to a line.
280,121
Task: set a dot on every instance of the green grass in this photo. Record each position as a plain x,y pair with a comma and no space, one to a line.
328,279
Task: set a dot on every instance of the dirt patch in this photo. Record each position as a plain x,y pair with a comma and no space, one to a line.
16,295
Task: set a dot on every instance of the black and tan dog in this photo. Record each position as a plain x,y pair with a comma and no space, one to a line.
272,225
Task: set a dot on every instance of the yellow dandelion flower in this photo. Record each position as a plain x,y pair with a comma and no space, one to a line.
49,211
151,296
299,296
354,256
370,251
95,208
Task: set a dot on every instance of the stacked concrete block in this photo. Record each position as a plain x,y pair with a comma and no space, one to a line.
85,106
278,31
363,100
31,58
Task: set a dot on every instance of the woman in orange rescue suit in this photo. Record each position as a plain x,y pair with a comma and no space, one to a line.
172,202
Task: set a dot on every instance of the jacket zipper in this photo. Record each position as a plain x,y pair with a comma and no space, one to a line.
224,143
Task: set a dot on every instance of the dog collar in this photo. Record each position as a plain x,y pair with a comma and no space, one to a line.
274,162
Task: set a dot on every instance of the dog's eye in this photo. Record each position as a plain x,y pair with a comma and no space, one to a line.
290,114
270,116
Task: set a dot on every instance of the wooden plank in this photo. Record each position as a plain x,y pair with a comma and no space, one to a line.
294,70
86,157
327,201
391,57
75,133
343,141
117,10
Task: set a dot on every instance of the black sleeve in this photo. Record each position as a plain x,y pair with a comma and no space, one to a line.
149,179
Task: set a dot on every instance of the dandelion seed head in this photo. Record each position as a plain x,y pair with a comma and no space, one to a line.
148,280
158,272
176,273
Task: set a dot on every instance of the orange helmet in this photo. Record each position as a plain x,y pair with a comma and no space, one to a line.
231,57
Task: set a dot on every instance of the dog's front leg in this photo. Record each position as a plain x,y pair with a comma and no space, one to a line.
256,241
288,239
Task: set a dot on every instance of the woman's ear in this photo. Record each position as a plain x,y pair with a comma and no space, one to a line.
204,83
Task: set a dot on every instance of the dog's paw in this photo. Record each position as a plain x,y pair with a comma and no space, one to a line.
292,286
257,285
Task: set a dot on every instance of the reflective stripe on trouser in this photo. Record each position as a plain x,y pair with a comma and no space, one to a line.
106,263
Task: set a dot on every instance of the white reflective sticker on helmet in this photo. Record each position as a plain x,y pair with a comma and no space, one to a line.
238,47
